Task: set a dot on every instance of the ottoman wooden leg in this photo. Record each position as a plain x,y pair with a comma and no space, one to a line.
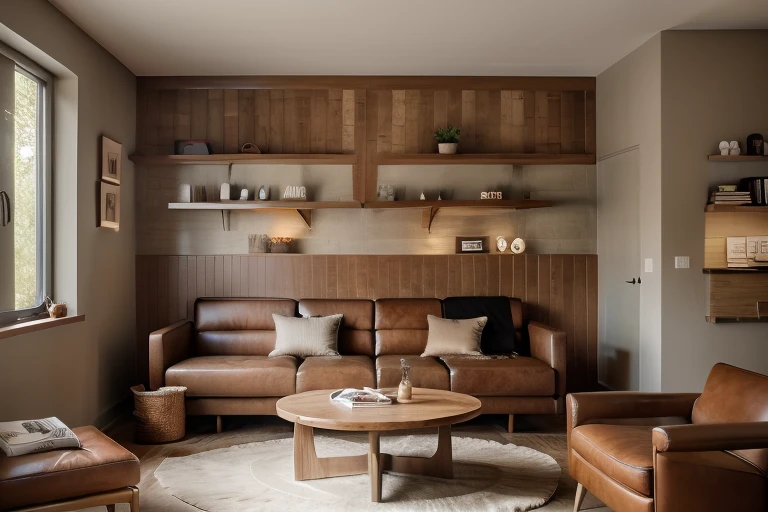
134,499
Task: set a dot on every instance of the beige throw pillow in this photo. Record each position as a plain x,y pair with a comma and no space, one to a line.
304,337
454,337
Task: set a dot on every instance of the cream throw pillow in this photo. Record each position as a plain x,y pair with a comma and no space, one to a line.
304,337
454,337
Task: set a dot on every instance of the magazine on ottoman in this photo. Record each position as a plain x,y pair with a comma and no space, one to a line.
22,437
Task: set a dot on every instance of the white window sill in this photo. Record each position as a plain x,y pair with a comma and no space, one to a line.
38,325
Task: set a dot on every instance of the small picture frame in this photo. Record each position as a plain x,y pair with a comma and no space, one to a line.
111,160
471,244
109,206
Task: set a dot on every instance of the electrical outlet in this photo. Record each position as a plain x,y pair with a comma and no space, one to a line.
682,262
649,264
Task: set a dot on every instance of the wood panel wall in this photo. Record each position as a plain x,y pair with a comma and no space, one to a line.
560,290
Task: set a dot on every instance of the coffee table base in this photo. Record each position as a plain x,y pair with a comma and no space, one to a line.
308,466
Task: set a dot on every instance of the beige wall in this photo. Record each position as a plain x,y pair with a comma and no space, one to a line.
78,372
714,87
569,227
628,115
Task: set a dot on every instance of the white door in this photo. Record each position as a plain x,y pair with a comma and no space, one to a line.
618,249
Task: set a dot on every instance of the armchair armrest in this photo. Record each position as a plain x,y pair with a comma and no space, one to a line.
548,345
711,437
588,407
167,347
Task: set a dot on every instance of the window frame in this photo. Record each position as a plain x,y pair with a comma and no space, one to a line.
45,81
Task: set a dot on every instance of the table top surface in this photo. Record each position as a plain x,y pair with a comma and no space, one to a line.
428,408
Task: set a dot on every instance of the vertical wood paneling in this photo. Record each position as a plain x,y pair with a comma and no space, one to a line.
215,126
231,121
289,121
412,116
182,128
246,118
384,122
276,118
199,115
318,121
348,121
303,121
398,121
468,121
427,141
334,121
262,120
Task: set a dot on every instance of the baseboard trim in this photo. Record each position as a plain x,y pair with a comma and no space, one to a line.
118,412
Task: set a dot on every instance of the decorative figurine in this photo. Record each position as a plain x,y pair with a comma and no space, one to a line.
263,193
244,194
423,197
224,194
517,246
734,147
501,243
725,147
405,390
295,193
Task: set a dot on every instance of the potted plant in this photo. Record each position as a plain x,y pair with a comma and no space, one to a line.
447,139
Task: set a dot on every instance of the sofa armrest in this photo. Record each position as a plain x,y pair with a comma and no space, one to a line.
711,437
605,405
548,345
167,347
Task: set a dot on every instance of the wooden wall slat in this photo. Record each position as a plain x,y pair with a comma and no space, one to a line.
427,143
334,121
559,290
246,117
215,125
231,121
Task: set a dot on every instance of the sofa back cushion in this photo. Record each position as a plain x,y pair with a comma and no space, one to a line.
241,327
356,334
401,325
734,395
498,335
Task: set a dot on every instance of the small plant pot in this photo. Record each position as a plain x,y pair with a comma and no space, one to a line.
447,148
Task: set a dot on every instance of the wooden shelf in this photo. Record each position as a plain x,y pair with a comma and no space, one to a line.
735,208
734,270
738,158
430,208
484,159
240,158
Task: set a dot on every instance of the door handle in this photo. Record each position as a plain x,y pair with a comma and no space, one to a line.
633,281
5,208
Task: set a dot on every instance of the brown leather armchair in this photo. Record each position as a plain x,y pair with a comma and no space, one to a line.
711,454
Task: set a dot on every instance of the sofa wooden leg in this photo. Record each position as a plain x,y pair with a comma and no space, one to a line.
219,426
511,423
580,493
135,500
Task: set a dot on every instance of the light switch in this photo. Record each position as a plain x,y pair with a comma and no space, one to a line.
682,262
649,264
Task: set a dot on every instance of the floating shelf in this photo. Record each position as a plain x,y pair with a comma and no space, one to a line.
242,158
735,208
484,159
738,158
432,207
734,270
303,208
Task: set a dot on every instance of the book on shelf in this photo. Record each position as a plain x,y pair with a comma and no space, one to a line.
747,251
31,436
729,198
360,398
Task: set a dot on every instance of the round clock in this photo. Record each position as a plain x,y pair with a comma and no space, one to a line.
501,243
518,246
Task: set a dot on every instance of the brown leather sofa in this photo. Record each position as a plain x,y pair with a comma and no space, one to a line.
710,455
222,357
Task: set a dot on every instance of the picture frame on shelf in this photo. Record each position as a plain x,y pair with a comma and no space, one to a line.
111,160
109,205
472,245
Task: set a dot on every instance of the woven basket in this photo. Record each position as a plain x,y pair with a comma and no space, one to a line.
160,415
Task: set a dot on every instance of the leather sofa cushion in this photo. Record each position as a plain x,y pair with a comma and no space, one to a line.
335,372
235,376
519,376
401,325
426,372
356,334
101,465
623,453
499,332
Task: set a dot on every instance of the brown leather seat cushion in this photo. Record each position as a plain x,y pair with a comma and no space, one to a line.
335,372
426,372
235,376
519,376
622,452
101,465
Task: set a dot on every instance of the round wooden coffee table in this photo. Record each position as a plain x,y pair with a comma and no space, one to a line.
430,408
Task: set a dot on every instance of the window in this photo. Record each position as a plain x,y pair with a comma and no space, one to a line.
25,115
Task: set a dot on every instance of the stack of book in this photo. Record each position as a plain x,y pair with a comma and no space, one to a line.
729,197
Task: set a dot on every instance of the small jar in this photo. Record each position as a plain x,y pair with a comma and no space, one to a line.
405,390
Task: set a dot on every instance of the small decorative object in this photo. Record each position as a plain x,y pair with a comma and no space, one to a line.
725,147
517,246
201,194
192,147
111,160
755,144
224,195
251,148
56,310
258,243
110,206
727,188
385,193
439,197
491,195
244,194
280,244
422,197
264,193
447,139
295,193
501,243
734,148
405,389
475,244
185,193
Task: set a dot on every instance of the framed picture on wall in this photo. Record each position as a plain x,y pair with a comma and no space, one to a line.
109,205
111,160
471,244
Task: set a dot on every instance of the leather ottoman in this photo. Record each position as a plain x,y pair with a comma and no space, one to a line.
101,473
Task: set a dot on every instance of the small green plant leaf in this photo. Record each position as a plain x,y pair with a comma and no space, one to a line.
449,134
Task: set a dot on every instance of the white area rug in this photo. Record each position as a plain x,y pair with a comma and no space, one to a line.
259,477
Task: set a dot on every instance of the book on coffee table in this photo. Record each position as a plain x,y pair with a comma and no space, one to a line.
360,398
23,437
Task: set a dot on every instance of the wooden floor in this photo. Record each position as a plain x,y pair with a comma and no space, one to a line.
546,434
